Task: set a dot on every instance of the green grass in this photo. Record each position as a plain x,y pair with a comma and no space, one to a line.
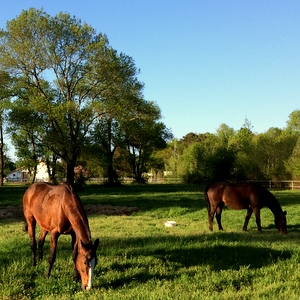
139,258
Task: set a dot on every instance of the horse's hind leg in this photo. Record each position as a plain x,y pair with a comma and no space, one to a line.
247,218
53,244
210,220
41,241
218,217
31,223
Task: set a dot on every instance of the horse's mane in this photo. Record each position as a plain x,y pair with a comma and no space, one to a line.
72,192
68,186
79,205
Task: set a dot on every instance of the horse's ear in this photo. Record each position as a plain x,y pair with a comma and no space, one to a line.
90,245
96,244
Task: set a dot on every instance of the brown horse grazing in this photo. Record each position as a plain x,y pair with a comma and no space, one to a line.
58,210
250,196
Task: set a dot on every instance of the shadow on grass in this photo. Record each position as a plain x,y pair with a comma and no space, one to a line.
147,197
12,195
290,228
287,198
181,254
176,254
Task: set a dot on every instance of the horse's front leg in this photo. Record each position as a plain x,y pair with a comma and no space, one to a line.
41,242
76,275
247,218
53,244
218,217
257,216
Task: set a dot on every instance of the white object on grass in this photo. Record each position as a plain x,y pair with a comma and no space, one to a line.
170,223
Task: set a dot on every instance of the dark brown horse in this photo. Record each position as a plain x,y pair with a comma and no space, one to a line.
250,196
58,210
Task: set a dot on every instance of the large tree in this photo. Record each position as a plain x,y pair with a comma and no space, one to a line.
5,94
121,106
71,72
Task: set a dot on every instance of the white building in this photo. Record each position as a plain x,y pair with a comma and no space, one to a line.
22,174
18,175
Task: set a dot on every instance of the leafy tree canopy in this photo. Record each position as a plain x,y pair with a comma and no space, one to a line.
68,76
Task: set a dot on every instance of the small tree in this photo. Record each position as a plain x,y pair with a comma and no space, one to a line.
143,135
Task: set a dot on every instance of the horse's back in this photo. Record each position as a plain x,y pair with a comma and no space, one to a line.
239,196
236,195
46,203
35,195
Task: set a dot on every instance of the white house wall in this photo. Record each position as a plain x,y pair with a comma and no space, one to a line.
42,172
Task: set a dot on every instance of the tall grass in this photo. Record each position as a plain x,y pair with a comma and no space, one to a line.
140,258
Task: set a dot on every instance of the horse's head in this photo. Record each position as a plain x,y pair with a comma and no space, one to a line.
86,261
280,222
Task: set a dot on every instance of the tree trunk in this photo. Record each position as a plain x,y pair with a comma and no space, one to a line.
70,171
34,173
51,168
110,173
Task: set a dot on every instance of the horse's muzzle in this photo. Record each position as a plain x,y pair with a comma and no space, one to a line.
86,287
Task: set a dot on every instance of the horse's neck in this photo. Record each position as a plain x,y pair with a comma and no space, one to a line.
79,222
82,231
274,206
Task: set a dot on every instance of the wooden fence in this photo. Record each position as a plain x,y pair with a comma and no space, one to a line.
281,184
270,184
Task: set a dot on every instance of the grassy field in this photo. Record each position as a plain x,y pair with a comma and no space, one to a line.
140,258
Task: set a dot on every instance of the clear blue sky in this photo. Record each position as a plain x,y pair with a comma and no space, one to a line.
203,62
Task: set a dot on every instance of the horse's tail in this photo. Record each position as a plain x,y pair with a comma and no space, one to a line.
25,228
206,196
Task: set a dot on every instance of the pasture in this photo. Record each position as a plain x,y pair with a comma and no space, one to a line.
140,258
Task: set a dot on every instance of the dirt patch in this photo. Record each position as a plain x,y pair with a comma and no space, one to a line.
110,210
11,212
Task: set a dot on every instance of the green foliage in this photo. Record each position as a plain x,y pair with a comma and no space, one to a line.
71,92
236,155
292,164
293,123
206,161
67,80
139,258
191,163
